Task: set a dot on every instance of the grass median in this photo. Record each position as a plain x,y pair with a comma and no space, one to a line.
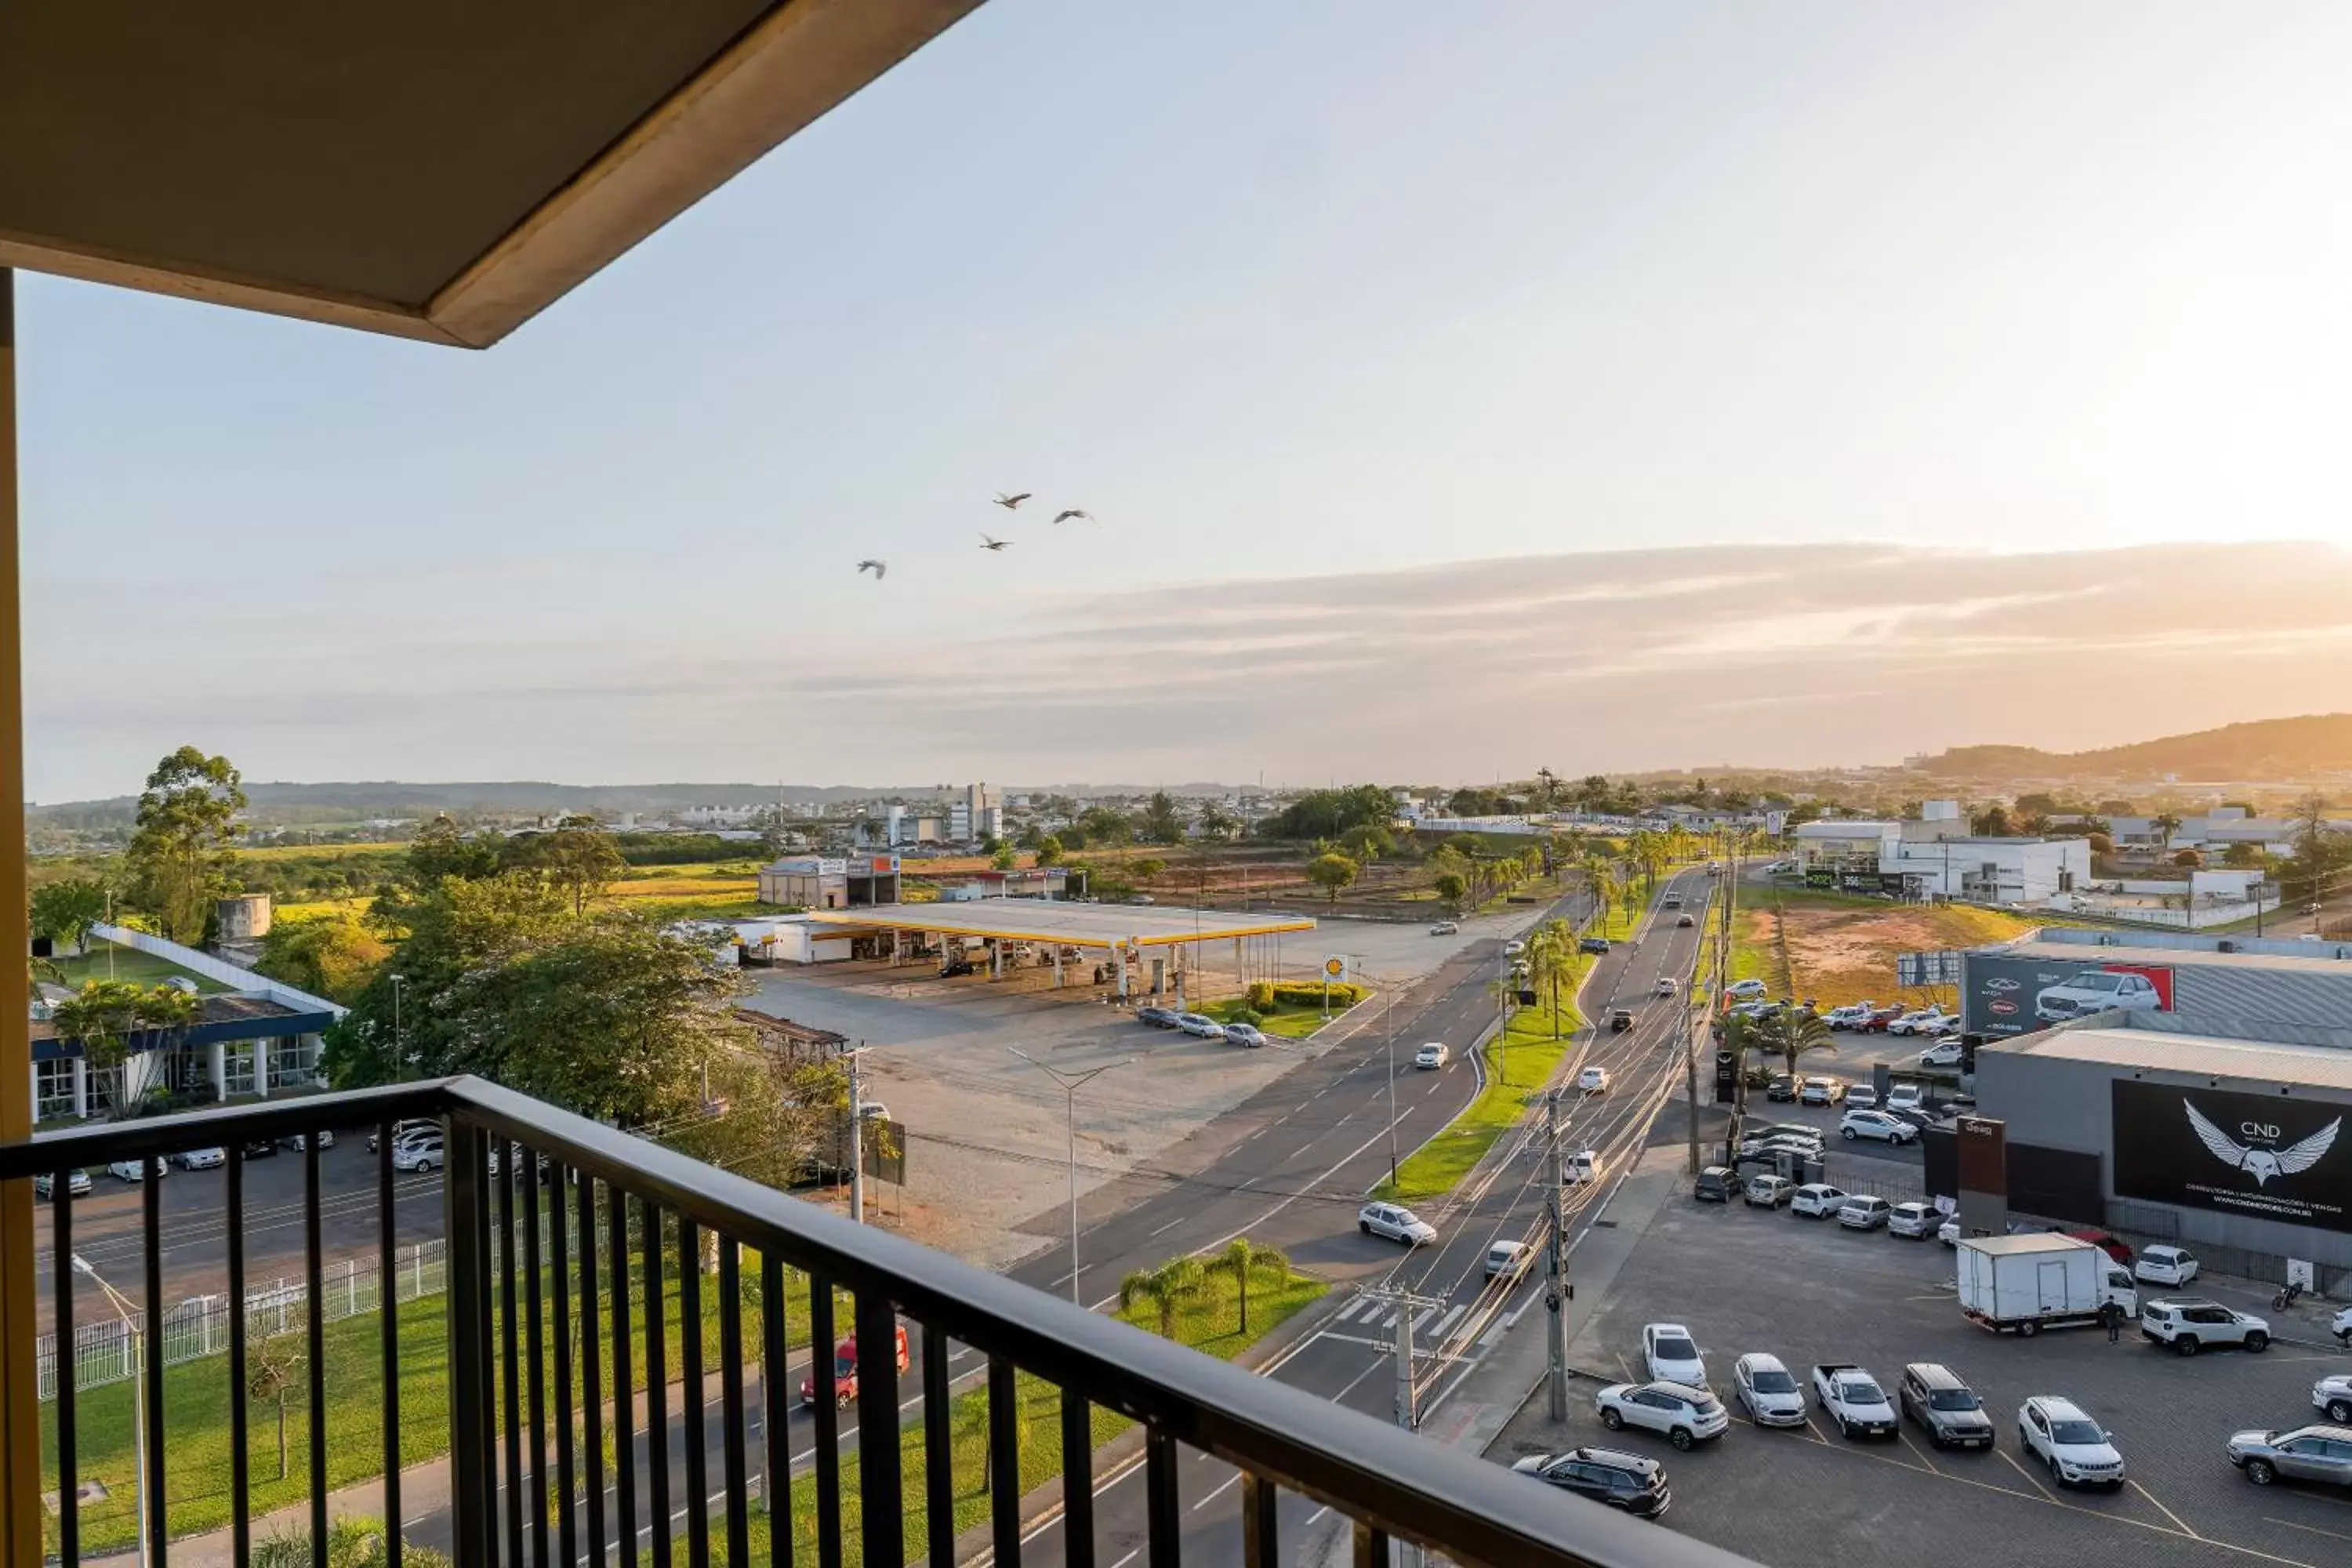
1520,1064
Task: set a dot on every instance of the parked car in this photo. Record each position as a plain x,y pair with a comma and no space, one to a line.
1687,1415
403,1128
1157,1016
1446,928
955,967
2113,1245
1948,1233
1941,1028
298,1142
868,1111
1432,1055
1669,1354
2097,990
1877,1125
2189,1324
1905,1096
1199,1025
422,1152
1509,1261
1396,1223
1950,1409
1784,1129
1863,1211
1820,1091
1943,1054
2077,1449
260,1149
1768,1391
211,1159
1593,1080
1248,1034
1849,1396
1745,989
1767,1192
2341,1327
2321,1454
1619,1020
2164,1266
1781,1089
1913,1220
1807,1144
1847,1017
1607,1476
1816,1200
1913,1022
1863,1096
1714,1185
44,1186
131,1170
1583,1166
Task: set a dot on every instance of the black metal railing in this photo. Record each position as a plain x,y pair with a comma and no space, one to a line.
563,1243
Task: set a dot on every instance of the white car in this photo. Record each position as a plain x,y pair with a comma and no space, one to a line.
1943,1027
1664,987
1849,1016
2164,1266
2341,1327
1767,1192
1247,1034
129,1170
1862,1096
1849,1396
1943,1054
1948,1233
211,1159
1396,1223
2097,990
1906,1097
1687,1415
421,1153
1917,1022
1817,1200
1881,1125
1580,1167
1669,1354
1432,1055
1864,1211
1446,928
2075,1448
1593,1080
1509,1261
1513,948
1768,1391
2333,1395
1913,1220
1745,990
1199,1025
300,1141
2189,1324
1820,1091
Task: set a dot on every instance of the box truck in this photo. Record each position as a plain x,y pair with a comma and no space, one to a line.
2028,1283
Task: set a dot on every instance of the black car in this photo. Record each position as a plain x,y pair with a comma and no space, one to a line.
1619,1020
1157,1017
955,966
1685,922
1714,1185
1593,944
1605,1475
1950,1409
260,1149
1782,1088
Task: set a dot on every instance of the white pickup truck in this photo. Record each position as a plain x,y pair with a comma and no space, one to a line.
1853,1399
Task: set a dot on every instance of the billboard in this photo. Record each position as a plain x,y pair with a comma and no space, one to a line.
2017,995
2261,1156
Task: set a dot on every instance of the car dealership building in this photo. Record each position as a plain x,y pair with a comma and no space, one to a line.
2202,1105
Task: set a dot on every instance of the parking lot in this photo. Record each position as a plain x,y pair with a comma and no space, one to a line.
1751,1280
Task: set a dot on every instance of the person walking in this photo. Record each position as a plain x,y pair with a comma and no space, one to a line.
2111,1315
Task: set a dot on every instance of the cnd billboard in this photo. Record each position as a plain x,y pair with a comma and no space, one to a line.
2264,1156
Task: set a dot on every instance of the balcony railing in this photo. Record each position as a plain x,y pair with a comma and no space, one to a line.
558,1235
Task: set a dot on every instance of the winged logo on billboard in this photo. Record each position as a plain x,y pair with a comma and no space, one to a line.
2262,1163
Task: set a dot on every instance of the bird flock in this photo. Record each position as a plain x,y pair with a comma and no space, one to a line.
989,541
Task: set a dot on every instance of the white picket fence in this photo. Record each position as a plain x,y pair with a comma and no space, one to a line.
199,1326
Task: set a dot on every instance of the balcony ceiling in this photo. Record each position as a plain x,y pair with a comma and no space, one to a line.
438,169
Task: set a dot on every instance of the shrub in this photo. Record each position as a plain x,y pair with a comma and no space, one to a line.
1259,995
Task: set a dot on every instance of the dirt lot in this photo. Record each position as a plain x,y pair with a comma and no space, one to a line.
1842,950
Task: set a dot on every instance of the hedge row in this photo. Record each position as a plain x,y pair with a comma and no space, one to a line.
1264,996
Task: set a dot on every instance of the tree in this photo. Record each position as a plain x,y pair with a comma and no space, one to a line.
1215,824
1002,858
441,850
1790,1034
1163,818
1547,791
1147,867
1332,872
1048,850
1367,842
578,857
1165,1289
1551,957
64,911
272,1367
1244,1257
2166,824
2245,856
1450,886
2189,857
2103,844
1328,813
1105,826
107,1017
332,956
1992,822
1600,879
180,858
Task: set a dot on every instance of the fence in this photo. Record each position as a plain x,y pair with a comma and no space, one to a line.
105,1351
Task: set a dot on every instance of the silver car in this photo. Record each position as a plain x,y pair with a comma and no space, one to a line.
2305,1454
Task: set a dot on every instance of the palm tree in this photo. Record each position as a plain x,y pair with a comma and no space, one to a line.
1600,880
105,1015
2165,823
1549,957
1242,1257
1166,1289
1790,1034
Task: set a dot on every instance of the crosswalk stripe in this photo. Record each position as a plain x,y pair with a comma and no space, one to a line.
1446,1321
1354,1307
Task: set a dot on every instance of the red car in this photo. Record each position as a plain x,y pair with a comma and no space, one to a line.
1877,1023
2114,1246
844,1370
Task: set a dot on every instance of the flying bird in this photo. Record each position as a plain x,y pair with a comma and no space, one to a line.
1010,502
1074,511
2262,1163
990,541
876,567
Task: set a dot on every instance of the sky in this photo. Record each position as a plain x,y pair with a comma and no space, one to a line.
1459,390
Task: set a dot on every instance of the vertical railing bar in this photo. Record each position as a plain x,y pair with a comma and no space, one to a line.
510,1371
776,1420
938,1449
692,1413
1371,1546
466,1221
1260,1545
1162,1539
535,1356
1004,1459
591,1372
61,1272
625,1390
559,1215
387,1263
656,1388
882,1509
735,1480
825,1405
240,1480
314,1270
150,1372
1077,1480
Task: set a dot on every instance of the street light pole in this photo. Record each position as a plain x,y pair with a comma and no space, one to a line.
1071,1083
399,1033
1389,1023
66,1368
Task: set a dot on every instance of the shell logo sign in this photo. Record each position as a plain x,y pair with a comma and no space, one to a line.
1336,966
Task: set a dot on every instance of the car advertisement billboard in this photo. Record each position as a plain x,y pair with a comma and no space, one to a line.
2017,995
2261,1156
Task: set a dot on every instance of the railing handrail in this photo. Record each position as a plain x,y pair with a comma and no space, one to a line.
1476,1512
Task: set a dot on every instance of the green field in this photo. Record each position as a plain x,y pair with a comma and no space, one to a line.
107,961
1291,1023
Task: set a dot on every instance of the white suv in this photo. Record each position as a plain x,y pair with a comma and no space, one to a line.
1878,1124
1395,1222
2075,1448
2097,990
1687,1415
2189,1323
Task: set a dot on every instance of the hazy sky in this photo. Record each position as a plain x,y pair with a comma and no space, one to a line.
1376,334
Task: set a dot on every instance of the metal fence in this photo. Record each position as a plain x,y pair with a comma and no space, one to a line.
105,1351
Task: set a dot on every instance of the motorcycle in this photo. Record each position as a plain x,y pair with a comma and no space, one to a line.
2285,1297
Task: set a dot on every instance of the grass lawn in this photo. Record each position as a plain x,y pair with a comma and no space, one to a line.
1290,1023
127,964
1519,1067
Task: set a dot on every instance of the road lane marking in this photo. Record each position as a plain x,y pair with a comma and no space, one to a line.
1171,1225
1219,1492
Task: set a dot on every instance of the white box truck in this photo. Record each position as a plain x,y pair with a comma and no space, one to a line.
2028,1283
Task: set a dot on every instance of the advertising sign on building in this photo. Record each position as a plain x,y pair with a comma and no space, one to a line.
2017,995
2261,1156
1916,971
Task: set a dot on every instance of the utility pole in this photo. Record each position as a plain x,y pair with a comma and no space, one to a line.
856,1140
1389,1023
1556,1292
1404,1552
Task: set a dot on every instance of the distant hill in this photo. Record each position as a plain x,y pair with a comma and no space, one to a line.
2264,749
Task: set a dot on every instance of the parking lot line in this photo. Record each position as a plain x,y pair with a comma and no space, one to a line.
1902,1437
2134,1484
2313,1529
2031,1478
